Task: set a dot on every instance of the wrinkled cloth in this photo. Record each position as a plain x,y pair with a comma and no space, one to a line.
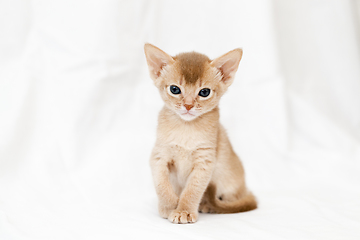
78,116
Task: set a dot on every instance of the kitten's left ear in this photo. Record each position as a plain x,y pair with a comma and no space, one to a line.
228,65
156,60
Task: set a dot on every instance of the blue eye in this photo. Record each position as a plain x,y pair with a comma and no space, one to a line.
204,92
174,89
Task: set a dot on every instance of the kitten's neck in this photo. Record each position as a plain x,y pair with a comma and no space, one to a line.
200,132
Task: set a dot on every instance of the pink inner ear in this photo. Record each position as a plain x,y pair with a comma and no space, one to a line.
156,59
228,64
156,63
228,69
157,73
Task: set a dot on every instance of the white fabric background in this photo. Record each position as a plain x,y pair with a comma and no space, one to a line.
78,116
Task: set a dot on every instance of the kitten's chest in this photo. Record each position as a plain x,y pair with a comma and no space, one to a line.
190,135
187,137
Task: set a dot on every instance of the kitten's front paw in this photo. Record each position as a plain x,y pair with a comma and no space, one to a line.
177,216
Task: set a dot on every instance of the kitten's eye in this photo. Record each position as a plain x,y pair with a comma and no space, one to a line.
204,92
174,89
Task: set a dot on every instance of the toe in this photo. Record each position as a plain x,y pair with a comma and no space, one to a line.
192,218
182,217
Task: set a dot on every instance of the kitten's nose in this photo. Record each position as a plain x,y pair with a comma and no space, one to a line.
188,107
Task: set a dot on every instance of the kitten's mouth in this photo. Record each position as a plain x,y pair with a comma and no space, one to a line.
188,113
188,116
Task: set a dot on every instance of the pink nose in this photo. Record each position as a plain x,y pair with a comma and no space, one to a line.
188,107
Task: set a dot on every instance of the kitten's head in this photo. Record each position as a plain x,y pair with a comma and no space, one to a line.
190,83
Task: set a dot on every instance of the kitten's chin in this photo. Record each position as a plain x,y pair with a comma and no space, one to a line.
187,116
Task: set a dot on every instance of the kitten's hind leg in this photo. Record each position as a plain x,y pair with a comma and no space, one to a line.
205,206
245,202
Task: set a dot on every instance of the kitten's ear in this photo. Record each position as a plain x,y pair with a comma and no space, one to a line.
228,65
156,60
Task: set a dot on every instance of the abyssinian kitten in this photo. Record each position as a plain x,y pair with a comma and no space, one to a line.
193,165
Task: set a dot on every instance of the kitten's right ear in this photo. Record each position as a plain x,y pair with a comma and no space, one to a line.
156,60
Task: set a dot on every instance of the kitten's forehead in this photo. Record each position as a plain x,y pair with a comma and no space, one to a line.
192,66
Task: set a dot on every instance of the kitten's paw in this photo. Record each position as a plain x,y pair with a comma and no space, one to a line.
205,209
177,216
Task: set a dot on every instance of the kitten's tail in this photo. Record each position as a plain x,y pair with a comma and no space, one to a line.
246,203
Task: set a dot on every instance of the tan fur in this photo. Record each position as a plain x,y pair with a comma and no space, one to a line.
192,65
193,164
